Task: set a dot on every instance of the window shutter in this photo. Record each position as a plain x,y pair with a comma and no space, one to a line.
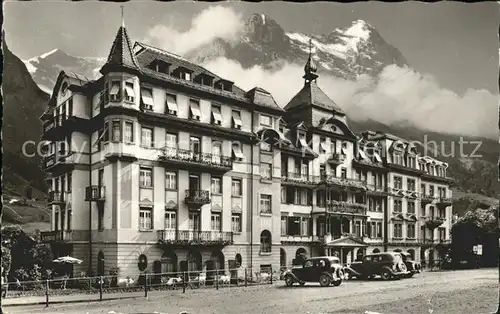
290,194
310,225
309,197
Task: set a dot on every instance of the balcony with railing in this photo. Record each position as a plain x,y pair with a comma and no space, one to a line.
341,207
331,180
374,189
95,193
195,160
58,161
55,236
298,179
197,198
56,197
434,241
433,222
443,202
426,198
194,237
336,159
287,238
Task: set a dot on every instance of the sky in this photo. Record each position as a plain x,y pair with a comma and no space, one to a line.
451,47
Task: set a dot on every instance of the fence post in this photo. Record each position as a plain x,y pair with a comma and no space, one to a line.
271,275
246,281
146,285
101,281
183,282
47,292
217,279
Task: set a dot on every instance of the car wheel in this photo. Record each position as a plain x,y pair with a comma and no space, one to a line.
337,283
386,275
347,275
410,275
289,281
324,280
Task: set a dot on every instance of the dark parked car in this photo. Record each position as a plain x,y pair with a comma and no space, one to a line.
412,266
387,265
326,270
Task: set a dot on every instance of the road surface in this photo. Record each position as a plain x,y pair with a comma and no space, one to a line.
466,291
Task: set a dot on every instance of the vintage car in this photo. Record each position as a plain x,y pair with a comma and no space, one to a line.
412,266
325,269
387,265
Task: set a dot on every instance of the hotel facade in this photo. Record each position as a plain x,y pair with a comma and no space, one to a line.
162,166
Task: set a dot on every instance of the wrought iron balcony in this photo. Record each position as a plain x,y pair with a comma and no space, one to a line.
294,178
443,202
434,241
376,189
286,238
60,161
196,160
345,207
426,199
434,222
344,182
197,198
95,193
55,236
56,197
194,237
336,159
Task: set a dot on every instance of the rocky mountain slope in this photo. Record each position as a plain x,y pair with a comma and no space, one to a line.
24,102
344,52
347,53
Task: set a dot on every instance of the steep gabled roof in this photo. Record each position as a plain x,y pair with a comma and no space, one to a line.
121,53
312,95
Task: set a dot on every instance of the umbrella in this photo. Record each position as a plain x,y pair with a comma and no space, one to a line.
67,260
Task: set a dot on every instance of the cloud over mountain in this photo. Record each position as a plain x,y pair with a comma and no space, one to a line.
386,90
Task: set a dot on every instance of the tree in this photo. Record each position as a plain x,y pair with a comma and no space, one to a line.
28,192
6,261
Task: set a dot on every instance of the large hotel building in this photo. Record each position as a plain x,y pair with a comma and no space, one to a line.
160,165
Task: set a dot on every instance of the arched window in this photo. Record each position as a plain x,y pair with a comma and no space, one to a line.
412,253
359,255
64,88
168,263
218,260
194,261
300,251
265,241
376,251
238,260
100,264
142,263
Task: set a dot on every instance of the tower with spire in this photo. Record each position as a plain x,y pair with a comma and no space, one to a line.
121,56
310,68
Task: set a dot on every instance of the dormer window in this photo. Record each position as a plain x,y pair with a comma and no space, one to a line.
160,66
115,91
237,120
224,85
129,92
266,120
216,115
204,79
147,98
171,104
194,110
185,76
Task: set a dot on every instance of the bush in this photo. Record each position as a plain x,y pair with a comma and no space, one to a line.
114,272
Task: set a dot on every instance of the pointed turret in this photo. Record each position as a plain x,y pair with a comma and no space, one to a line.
310,68
121,55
